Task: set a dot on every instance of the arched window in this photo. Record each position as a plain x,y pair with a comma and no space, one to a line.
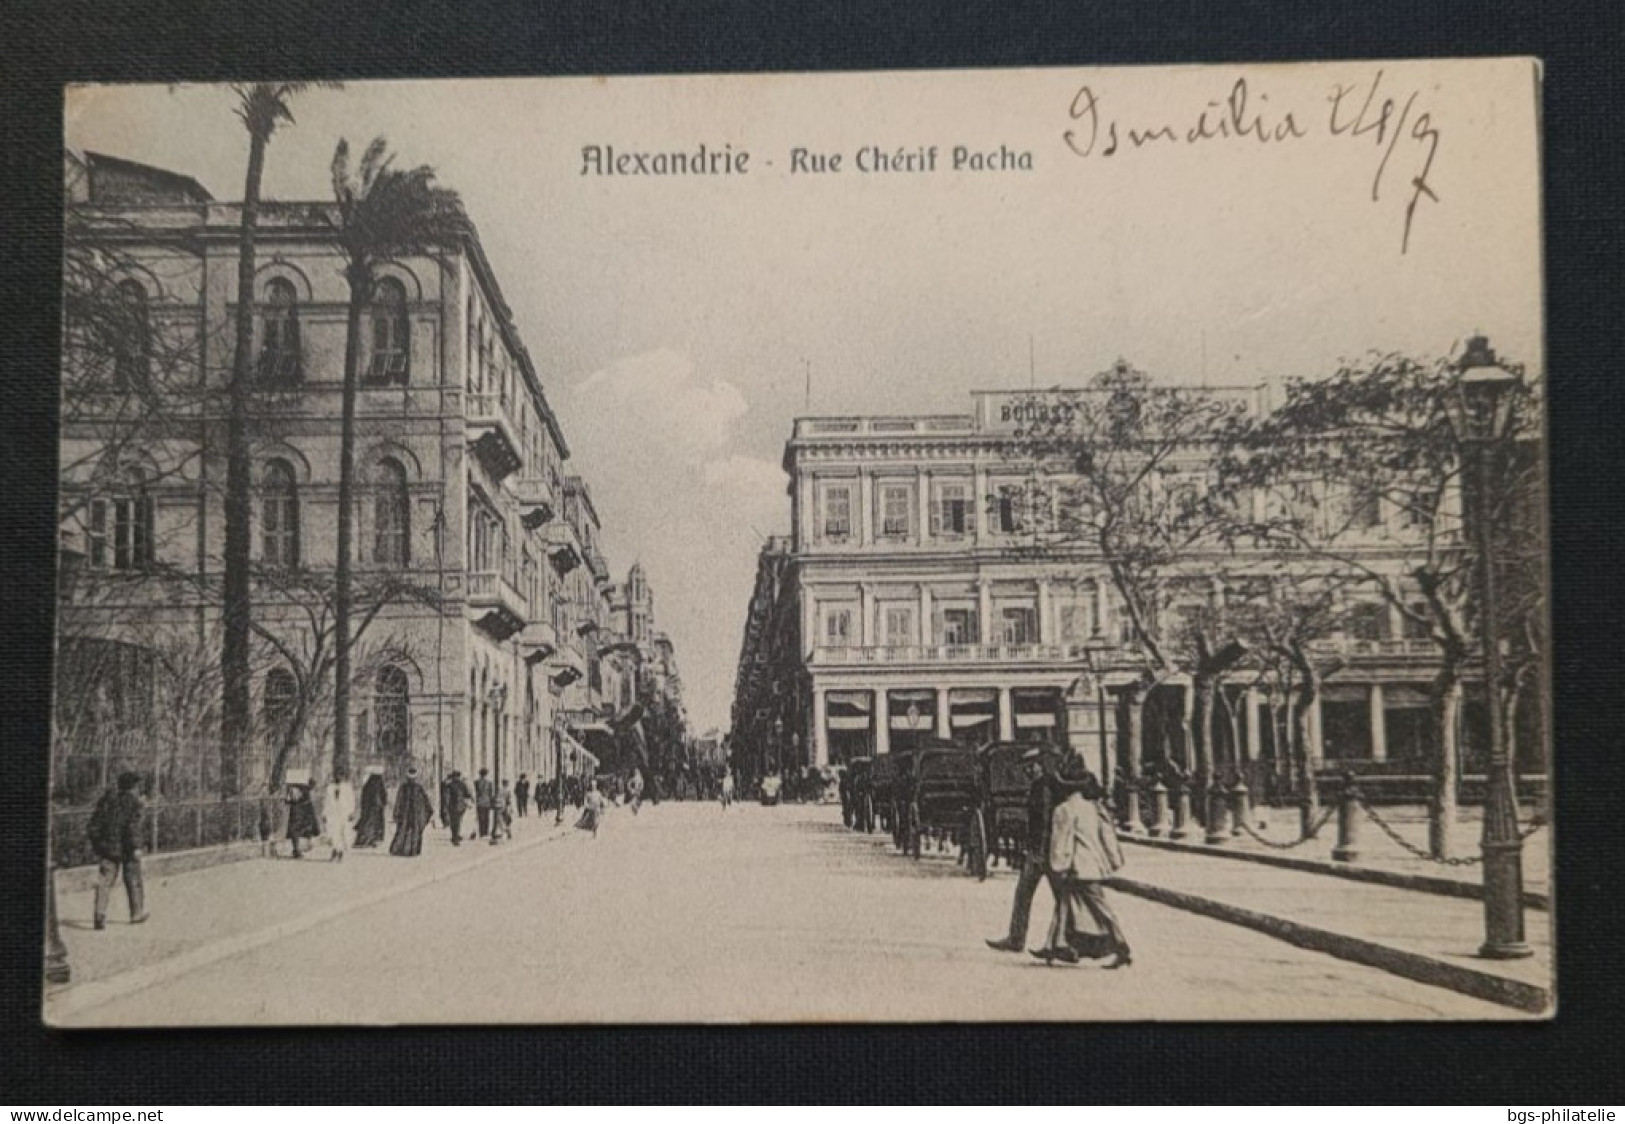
391,514
391,334
118,535
278,705
279,520
391,699
132,344
279,344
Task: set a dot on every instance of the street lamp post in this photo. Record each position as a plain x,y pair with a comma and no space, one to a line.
1479,411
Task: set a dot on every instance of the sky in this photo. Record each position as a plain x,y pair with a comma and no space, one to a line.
681,323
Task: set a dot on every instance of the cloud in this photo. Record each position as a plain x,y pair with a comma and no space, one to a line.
657,396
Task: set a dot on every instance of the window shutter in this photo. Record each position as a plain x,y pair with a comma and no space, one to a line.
96,536
936,512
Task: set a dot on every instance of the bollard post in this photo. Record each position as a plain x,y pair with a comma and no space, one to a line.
1159,809
1241,805
1182,809
1348,823
1216,815
1131,808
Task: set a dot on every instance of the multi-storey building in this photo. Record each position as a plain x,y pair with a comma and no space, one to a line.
479,553
909,603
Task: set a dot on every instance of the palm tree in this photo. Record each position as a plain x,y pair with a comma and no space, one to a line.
261,106
383,212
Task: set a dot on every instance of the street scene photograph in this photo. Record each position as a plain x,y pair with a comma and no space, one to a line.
938,546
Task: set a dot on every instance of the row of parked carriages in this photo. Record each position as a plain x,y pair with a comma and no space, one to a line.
944,797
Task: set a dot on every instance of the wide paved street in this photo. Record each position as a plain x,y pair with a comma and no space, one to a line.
688,913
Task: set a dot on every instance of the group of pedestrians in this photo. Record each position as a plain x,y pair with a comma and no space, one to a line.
1070,843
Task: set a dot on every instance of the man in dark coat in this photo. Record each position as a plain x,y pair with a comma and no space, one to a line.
521,795
412,815
485,798
454,798
1035,848
115,836
369,828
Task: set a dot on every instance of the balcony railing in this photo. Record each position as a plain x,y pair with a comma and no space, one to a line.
537,505
494,434
951,654
496,605
1406,648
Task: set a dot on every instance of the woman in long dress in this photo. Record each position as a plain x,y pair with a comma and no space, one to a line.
302,823
338,809
412,815
369,828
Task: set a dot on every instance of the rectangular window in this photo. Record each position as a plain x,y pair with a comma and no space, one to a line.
951,515
837,627
838,512
1019,625
1368,622
1007,511
132,533
896,503
959,626
1365,506
899,626
1076,625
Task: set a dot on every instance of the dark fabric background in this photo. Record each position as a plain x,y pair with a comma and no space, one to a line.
49,42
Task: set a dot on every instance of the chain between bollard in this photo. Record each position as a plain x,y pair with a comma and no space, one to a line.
1407,846
1312,833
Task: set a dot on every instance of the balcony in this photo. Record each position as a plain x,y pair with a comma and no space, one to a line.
562,549
496,606
597,566
534,496
494,436
1047,655
539,641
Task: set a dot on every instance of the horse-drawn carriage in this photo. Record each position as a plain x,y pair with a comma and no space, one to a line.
941,799
1003,781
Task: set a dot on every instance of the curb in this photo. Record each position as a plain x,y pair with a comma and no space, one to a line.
61,1005
1425,883
1417,966
82,879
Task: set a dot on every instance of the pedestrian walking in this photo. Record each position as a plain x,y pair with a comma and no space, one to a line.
521,795
1035,848
412,816
485,796
338,809
1083,853
502,815
634,790
302,823
592,810
115,837
454,801
727,789
369,826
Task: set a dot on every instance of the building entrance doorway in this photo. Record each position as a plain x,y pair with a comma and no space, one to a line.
849,725
973,716
913,718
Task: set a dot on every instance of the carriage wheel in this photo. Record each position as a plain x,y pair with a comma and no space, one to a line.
976,845
848,816
914,831
866,813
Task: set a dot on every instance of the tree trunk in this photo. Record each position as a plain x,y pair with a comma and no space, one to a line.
342,567
1306,737
1446,714
235,707
1134,699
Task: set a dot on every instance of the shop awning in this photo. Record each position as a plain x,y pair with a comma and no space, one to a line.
836,722
1034,719
964,721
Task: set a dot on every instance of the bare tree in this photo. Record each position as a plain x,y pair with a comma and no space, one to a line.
1374,437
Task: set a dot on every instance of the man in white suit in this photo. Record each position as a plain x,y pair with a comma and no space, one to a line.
1083,854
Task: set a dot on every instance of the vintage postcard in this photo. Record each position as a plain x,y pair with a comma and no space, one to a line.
938,546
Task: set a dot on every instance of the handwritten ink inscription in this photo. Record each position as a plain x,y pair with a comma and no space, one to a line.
1401,131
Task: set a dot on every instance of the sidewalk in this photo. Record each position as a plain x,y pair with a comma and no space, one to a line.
1423,936
1379,852
206,915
